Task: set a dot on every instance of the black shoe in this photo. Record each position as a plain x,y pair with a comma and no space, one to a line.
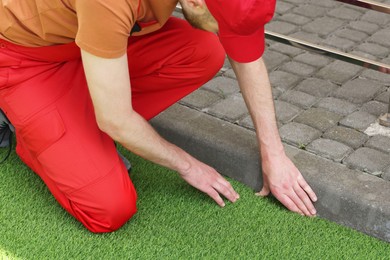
6,130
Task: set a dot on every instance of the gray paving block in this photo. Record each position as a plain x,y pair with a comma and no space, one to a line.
311,11
307,36
312,59
359,91
283,80
377,76
323,25
358,120
231,108
353,35
222,86
373,49
339,43
364,26
345,135
200,99
274,59
329,149
339,106
298,68
281,27
386,174
383,97
344,13
379,142
286,49
316,87
339,72
347,196
381,37
298,98
318,118
283,7
326,3
285,112
230,74
368,160
294,19
298,134
247,122
375,108
376,17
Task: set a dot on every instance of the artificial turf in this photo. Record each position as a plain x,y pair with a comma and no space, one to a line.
174,221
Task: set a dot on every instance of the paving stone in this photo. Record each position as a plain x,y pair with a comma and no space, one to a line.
344,13
326,3
298,98
323,26
230,74
352,35
297,2
376,17
281,27
345,135
223,86
363,26
316,87
339,71
285,112
298,134
200,99
231,108
339,43
318,118
373,49
306,36
247,122
339,106
276,93
329,149
359,91
379,142
377,76
383,97
358,120
375,108
381,37
283,80
311,11
286,49
283,7
274,59
368,160
295,19
298,68
386,174
312,59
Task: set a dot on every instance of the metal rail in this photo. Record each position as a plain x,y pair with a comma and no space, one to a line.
384,8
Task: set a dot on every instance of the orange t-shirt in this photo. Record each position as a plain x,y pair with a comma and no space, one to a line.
100,27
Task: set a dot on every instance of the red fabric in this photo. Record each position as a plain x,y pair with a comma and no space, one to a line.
43,92
241,26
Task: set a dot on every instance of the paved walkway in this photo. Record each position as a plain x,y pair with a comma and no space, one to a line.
323,109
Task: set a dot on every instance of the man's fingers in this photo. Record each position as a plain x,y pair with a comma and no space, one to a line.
307,189
215,196
303,201
225,188
289,204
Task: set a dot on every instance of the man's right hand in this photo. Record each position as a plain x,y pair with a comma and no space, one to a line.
209,181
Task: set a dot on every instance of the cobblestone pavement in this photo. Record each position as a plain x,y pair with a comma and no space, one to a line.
323,105
323,108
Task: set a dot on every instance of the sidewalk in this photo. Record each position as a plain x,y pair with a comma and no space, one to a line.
323,109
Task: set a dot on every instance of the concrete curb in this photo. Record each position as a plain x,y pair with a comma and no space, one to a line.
346,196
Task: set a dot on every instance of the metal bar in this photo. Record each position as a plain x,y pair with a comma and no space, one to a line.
333,53
384,8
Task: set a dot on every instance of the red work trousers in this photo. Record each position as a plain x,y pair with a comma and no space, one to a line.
44,93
